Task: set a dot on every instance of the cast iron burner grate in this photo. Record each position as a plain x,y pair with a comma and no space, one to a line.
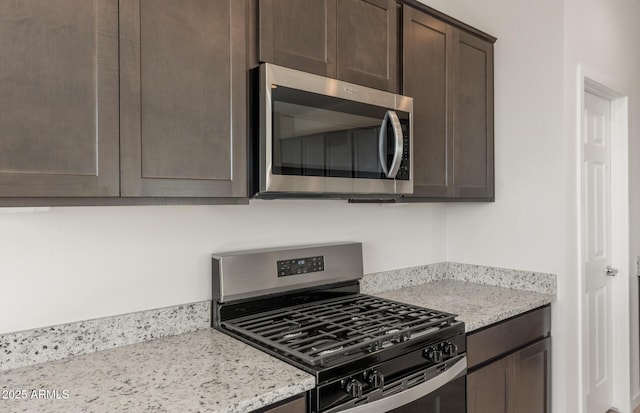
327,330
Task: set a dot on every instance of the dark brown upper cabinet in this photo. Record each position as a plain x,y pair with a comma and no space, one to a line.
351,40
300,34
109,102
449,73
427,63
472,123
183,94
59,98
368,43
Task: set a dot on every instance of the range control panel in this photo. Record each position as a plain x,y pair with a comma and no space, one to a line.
300,266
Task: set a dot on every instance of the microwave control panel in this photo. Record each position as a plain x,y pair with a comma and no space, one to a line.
405,167
298,266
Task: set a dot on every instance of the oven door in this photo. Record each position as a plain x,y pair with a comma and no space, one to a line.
425,391
324,136
450,398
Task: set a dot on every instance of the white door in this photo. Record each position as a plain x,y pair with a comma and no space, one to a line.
596,192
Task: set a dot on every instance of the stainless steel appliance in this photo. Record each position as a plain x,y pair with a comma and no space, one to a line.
303,305
324,137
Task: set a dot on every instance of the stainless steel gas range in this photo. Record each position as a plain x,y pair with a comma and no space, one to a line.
304,306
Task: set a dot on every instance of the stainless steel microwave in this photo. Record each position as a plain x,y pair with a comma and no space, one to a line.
321,137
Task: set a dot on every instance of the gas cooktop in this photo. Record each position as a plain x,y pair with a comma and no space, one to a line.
336,329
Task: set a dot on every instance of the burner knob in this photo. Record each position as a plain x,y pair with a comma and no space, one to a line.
353,388
449,349
375,379
433,355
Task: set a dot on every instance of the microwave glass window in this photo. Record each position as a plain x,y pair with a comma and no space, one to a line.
317,135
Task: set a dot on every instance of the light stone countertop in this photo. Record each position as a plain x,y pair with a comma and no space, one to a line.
204,371
478,305
208,371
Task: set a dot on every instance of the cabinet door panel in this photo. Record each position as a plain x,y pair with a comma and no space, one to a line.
59,98
426,64
367,42
300,34
183,98
473,117
487,388
532,389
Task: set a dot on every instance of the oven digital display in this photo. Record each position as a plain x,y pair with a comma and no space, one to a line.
298,266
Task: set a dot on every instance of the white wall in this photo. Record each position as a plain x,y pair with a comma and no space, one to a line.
73,264
521,229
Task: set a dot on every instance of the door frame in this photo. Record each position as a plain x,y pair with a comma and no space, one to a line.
599,85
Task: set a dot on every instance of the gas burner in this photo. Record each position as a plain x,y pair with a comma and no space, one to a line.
294,334
320,346
328,351
322,343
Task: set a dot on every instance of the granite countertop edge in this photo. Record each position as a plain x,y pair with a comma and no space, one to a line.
193,372
506,314
276,395
478,305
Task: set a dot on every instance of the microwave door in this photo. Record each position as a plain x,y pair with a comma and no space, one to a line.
338,141
319,136
390,144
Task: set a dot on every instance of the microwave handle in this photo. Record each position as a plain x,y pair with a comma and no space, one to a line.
407,396
382,150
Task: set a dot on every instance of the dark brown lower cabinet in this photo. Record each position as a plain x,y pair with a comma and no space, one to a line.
510,366
518,383
532,378
487,388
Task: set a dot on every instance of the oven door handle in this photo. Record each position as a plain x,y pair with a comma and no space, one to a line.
397,150
407,396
